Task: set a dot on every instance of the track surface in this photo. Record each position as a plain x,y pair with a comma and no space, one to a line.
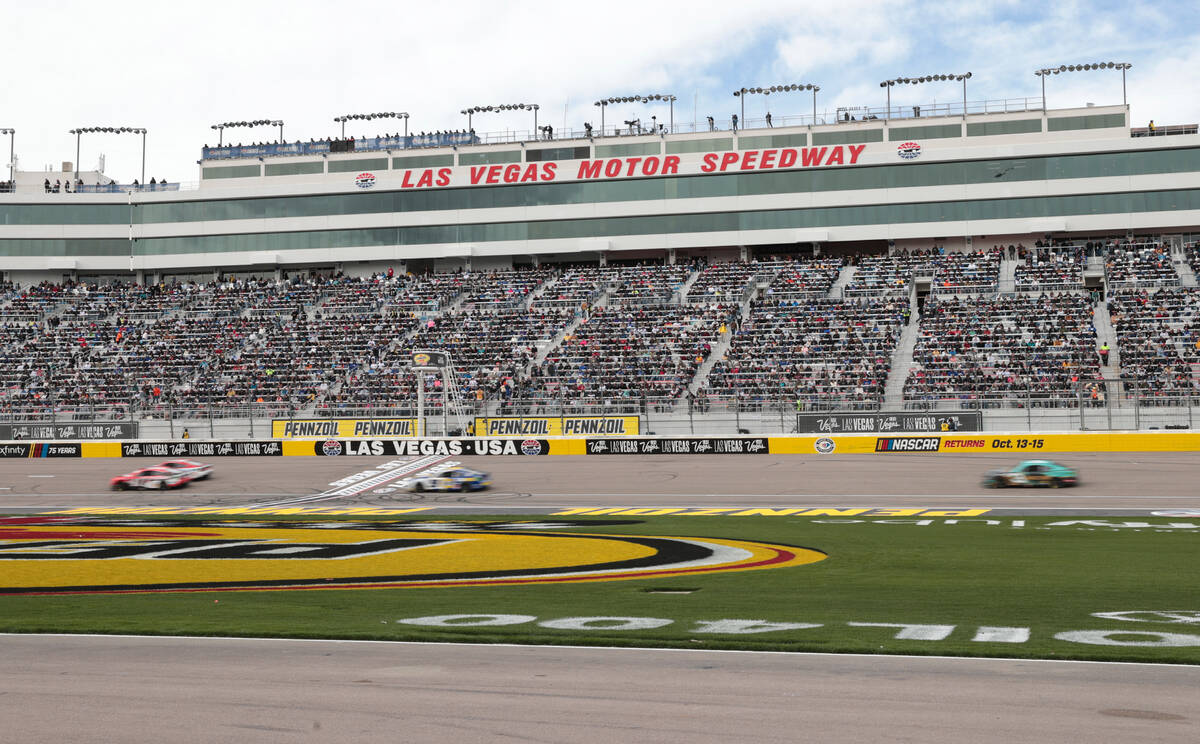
210,691
1110,481
219,690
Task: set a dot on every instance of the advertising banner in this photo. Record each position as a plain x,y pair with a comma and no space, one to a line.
40,449
688,446
882,423
71,431
201,449
342,428
422,447
557,426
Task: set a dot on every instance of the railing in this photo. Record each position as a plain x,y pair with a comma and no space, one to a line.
1170,129
1095,405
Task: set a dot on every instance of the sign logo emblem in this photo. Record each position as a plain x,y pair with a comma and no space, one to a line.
92,556
331,447
825,445
531,447
909,150
364,180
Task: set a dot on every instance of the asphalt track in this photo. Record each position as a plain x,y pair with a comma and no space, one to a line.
58,688
211,691
1111,482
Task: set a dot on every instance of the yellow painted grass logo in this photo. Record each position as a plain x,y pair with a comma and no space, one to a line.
42,556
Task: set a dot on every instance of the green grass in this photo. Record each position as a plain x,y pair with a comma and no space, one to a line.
966,575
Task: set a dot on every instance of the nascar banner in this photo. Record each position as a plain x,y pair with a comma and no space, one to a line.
557,426
343,428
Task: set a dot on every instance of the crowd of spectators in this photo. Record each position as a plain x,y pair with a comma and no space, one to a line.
1012,351
821,353
966,272
1050,268
1142,264
1158,335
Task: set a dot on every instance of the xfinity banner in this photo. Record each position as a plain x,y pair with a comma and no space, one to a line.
871,423
690,446
102,430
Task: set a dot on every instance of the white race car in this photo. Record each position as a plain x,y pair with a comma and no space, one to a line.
194,470
449,479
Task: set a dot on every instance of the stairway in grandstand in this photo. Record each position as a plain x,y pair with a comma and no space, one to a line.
682,292
1008,275
719,349
1106,333
902,361
844,276
1187,277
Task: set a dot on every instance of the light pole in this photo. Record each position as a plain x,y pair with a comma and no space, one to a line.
381,115
1048,71
78,132
743,92
603,103
12,136
470,112
246,125
926,79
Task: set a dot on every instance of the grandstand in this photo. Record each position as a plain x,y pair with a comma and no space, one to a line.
712,285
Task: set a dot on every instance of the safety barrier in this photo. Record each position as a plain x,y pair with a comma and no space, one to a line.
841,444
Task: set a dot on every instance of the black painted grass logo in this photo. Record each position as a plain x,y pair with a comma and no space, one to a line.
42,555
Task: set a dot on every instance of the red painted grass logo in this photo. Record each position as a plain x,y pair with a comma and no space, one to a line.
364,180
909,150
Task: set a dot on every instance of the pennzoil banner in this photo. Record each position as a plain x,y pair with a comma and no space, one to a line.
556,426
343,428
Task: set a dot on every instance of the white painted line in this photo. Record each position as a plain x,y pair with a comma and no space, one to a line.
41,476
636,649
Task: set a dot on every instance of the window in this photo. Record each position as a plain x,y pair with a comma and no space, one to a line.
489,158
699,145
357,166
1020,126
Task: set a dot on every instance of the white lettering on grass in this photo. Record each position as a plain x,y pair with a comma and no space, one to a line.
468,621
1152,616
911,632
995,634
606,623
1148,638
747,626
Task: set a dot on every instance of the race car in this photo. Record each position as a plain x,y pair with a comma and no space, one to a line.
449,479
194,470
156,477
1032,473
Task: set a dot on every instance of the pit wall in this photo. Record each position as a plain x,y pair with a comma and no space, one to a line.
1030,445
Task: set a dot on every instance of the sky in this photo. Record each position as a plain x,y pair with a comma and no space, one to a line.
177,67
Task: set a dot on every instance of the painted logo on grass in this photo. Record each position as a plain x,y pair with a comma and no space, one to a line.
47,556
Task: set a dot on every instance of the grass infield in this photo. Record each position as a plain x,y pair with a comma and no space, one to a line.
1047,575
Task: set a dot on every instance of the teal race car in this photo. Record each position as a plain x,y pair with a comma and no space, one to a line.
1032,473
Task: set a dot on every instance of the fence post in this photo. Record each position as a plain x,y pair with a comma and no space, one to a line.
212,432
1079,392
1137,406
251,411
1028,412
171,419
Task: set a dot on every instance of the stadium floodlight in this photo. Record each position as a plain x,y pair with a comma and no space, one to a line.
79,131
12,158
1046,72
245,125
743,92
959,76
368,117
668,97
470,112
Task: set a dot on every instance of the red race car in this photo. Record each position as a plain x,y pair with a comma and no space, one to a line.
156,478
